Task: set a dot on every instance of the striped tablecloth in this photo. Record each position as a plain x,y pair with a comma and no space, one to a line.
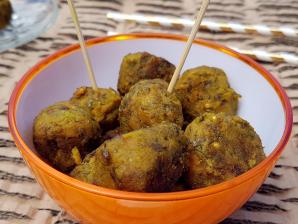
23,201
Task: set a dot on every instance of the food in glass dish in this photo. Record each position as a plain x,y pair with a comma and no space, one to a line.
5,13
102,103
221,147
64,133
142,65
206,89
148,103
146,160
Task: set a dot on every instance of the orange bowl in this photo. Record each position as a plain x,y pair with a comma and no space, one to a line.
264,104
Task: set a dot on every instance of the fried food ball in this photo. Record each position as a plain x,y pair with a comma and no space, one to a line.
102,103
206,89
5,13
142,65
148,103
94,170
146,160
221,147
64,133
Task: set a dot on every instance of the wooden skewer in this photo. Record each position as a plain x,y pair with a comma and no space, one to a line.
86,57
191,37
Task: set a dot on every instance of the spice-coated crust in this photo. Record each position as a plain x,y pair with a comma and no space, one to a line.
59,128
206,89
221,147
148,103
142,65
146,160
102,103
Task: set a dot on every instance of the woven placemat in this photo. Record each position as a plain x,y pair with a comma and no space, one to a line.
23,201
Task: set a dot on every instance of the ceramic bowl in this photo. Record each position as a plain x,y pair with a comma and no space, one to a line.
264,104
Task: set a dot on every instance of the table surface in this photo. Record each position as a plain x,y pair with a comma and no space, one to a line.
23,201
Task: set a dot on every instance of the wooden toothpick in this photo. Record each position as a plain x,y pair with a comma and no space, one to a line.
82,43
191,37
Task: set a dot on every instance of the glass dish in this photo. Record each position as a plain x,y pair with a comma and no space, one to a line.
30,18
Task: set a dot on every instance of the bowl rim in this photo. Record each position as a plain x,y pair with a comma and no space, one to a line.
137,196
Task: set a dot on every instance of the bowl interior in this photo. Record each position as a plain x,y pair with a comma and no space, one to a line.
260,103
